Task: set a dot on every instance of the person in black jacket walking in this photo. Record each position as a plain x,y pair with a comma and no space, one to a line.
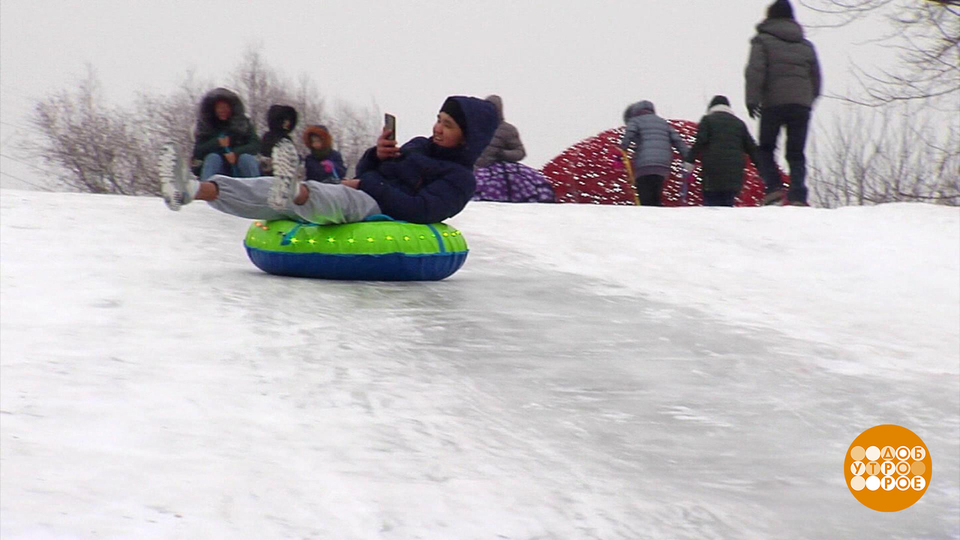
782,82
721,144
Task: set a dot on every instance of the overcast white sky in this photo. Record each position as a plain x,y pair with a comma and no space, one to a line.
565,69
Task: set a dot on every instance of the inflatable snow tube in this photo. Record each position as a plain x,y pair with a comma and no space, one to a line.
382,250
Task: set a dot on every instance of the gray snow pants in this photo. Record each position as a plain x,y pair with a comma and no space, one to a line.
328,204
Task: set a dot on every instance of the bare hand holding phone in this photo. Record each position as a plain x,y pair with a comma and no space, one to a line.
387,142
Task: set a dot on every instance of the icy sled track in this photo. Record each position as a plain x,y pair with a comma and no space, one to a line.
591,373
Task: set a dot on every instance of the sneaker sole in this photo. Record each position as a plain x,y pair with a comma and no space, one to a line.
285,161
167,164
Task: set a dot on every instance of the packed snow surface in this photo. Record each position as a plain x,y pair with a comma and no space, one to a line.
590,373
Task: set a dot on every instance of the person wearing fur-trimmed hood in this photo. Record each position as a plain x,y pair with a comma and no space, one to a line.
721,144
225,140
323,163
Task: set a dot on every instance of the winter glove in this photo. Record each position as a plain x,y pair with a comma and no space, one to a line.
753,110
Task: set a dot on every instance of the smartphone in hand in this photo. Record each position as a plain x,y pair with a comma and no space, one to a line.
390,122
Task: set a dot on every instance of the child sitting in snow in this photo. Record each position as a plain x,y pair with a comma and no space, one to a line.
425,181
281,119
323,164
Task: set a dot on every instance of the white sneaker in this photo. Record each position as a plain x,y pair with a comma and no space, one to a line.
176,186
286,183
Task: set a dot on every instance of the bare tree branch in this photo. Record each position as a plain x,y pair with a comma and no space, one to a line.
926,35
874,156
97,148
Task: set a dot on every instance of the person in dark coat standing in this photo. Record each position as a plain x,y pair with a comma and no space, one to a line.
424,181
323,163
782,82
281,120
654,141
506,145
721,144
225,140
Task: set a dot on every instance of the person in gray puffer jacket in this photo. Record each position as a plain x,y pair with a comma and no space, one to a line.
506,145
654,141
782,82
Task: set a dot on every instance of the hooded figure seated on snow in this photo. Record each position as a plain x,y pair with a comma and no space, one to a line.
225,140
281,119
426,180
323,163
506,144
500,176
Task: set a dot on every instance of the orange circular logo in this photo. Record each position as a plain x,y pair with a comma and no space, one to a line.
888,468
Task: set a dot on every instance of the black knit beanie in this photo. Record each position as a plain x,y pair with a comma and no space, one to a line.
452,107
719,100
781,9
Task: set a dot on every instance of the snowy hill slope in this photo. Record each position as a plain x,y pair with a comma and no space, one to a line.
881,282
591,372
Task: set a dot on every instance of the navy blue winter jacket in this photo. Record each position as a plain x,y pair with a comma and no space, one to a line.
317,171
429,183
